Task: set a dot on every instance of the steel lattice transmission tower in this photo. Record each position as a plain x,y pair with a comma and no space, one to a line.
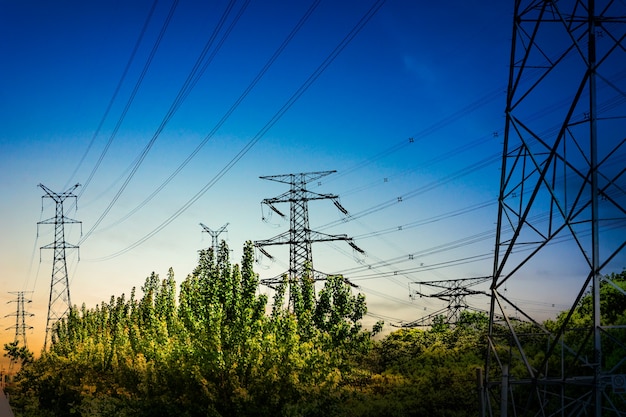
20,321
20,316
561,228
299,237
59,302
452,291
214,236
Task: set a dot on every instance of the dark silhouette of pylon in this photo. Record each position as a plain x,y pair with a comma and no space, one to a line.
20,320
452,291
59,302
214,236
299,237
20,316
561,209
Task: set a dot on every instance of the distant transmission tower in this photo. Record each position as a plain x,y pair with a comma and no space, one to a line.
20,316
214,236
59,303
562,206
299,237
452,291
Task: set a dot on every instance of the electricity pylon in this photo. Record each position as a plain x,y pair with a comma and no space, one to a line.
59,302
452,291
561,212
299,237
20,316
214,236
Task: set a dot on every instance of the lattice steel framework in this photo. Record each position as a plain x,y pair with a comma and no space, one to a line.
59,302
452,291
562,207
299,237
215,234
20,321
20,316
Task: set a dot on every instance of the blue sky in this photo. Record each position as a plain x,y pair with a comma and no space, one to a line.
432,71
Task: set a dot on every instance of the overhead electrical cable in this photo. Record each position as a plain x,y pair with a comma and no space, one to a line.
229,112
341,250
383,317
427,267
120,120
391,263
424,133
470,259
456,244
131,59
168,116
471,145
459,114
420,190
30,264
463,242
446,121
429,220
386,295
446,179
301,90
423,165
101,123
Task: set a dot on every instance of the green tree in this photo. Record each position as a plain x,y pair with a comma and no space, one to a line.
211,349
18,354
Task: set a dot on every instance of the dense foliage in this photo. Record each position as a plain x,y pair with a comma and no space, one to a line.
212,349
213,346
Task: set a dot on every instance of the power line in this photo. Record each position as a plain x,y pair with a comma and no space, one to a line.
420,190
171,111
108,108
295,96
232,108
120,120
426,131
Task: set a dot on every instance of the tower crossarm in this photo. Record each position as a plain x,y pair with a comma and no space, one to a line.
307,195
214,235
59,197
290,178
281,239
54,220
286,239
454,283
213,232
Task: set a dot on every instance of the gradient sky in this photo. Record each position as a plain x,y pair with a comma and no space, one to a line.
435,72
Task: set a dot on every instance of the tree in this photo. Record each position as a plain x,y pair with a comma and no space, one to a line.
18,354
211,349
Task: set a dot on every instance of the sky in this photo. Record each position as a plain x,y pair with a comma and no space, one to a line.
404,99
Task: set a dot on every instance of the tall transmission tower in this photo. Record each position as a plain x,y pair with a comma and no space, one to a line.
561,228
20,316
59,302
452,291
214,236
299,237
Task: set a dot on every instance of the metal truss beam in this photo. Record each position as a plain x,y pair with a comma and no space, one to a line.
562,210
299,237
59,302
